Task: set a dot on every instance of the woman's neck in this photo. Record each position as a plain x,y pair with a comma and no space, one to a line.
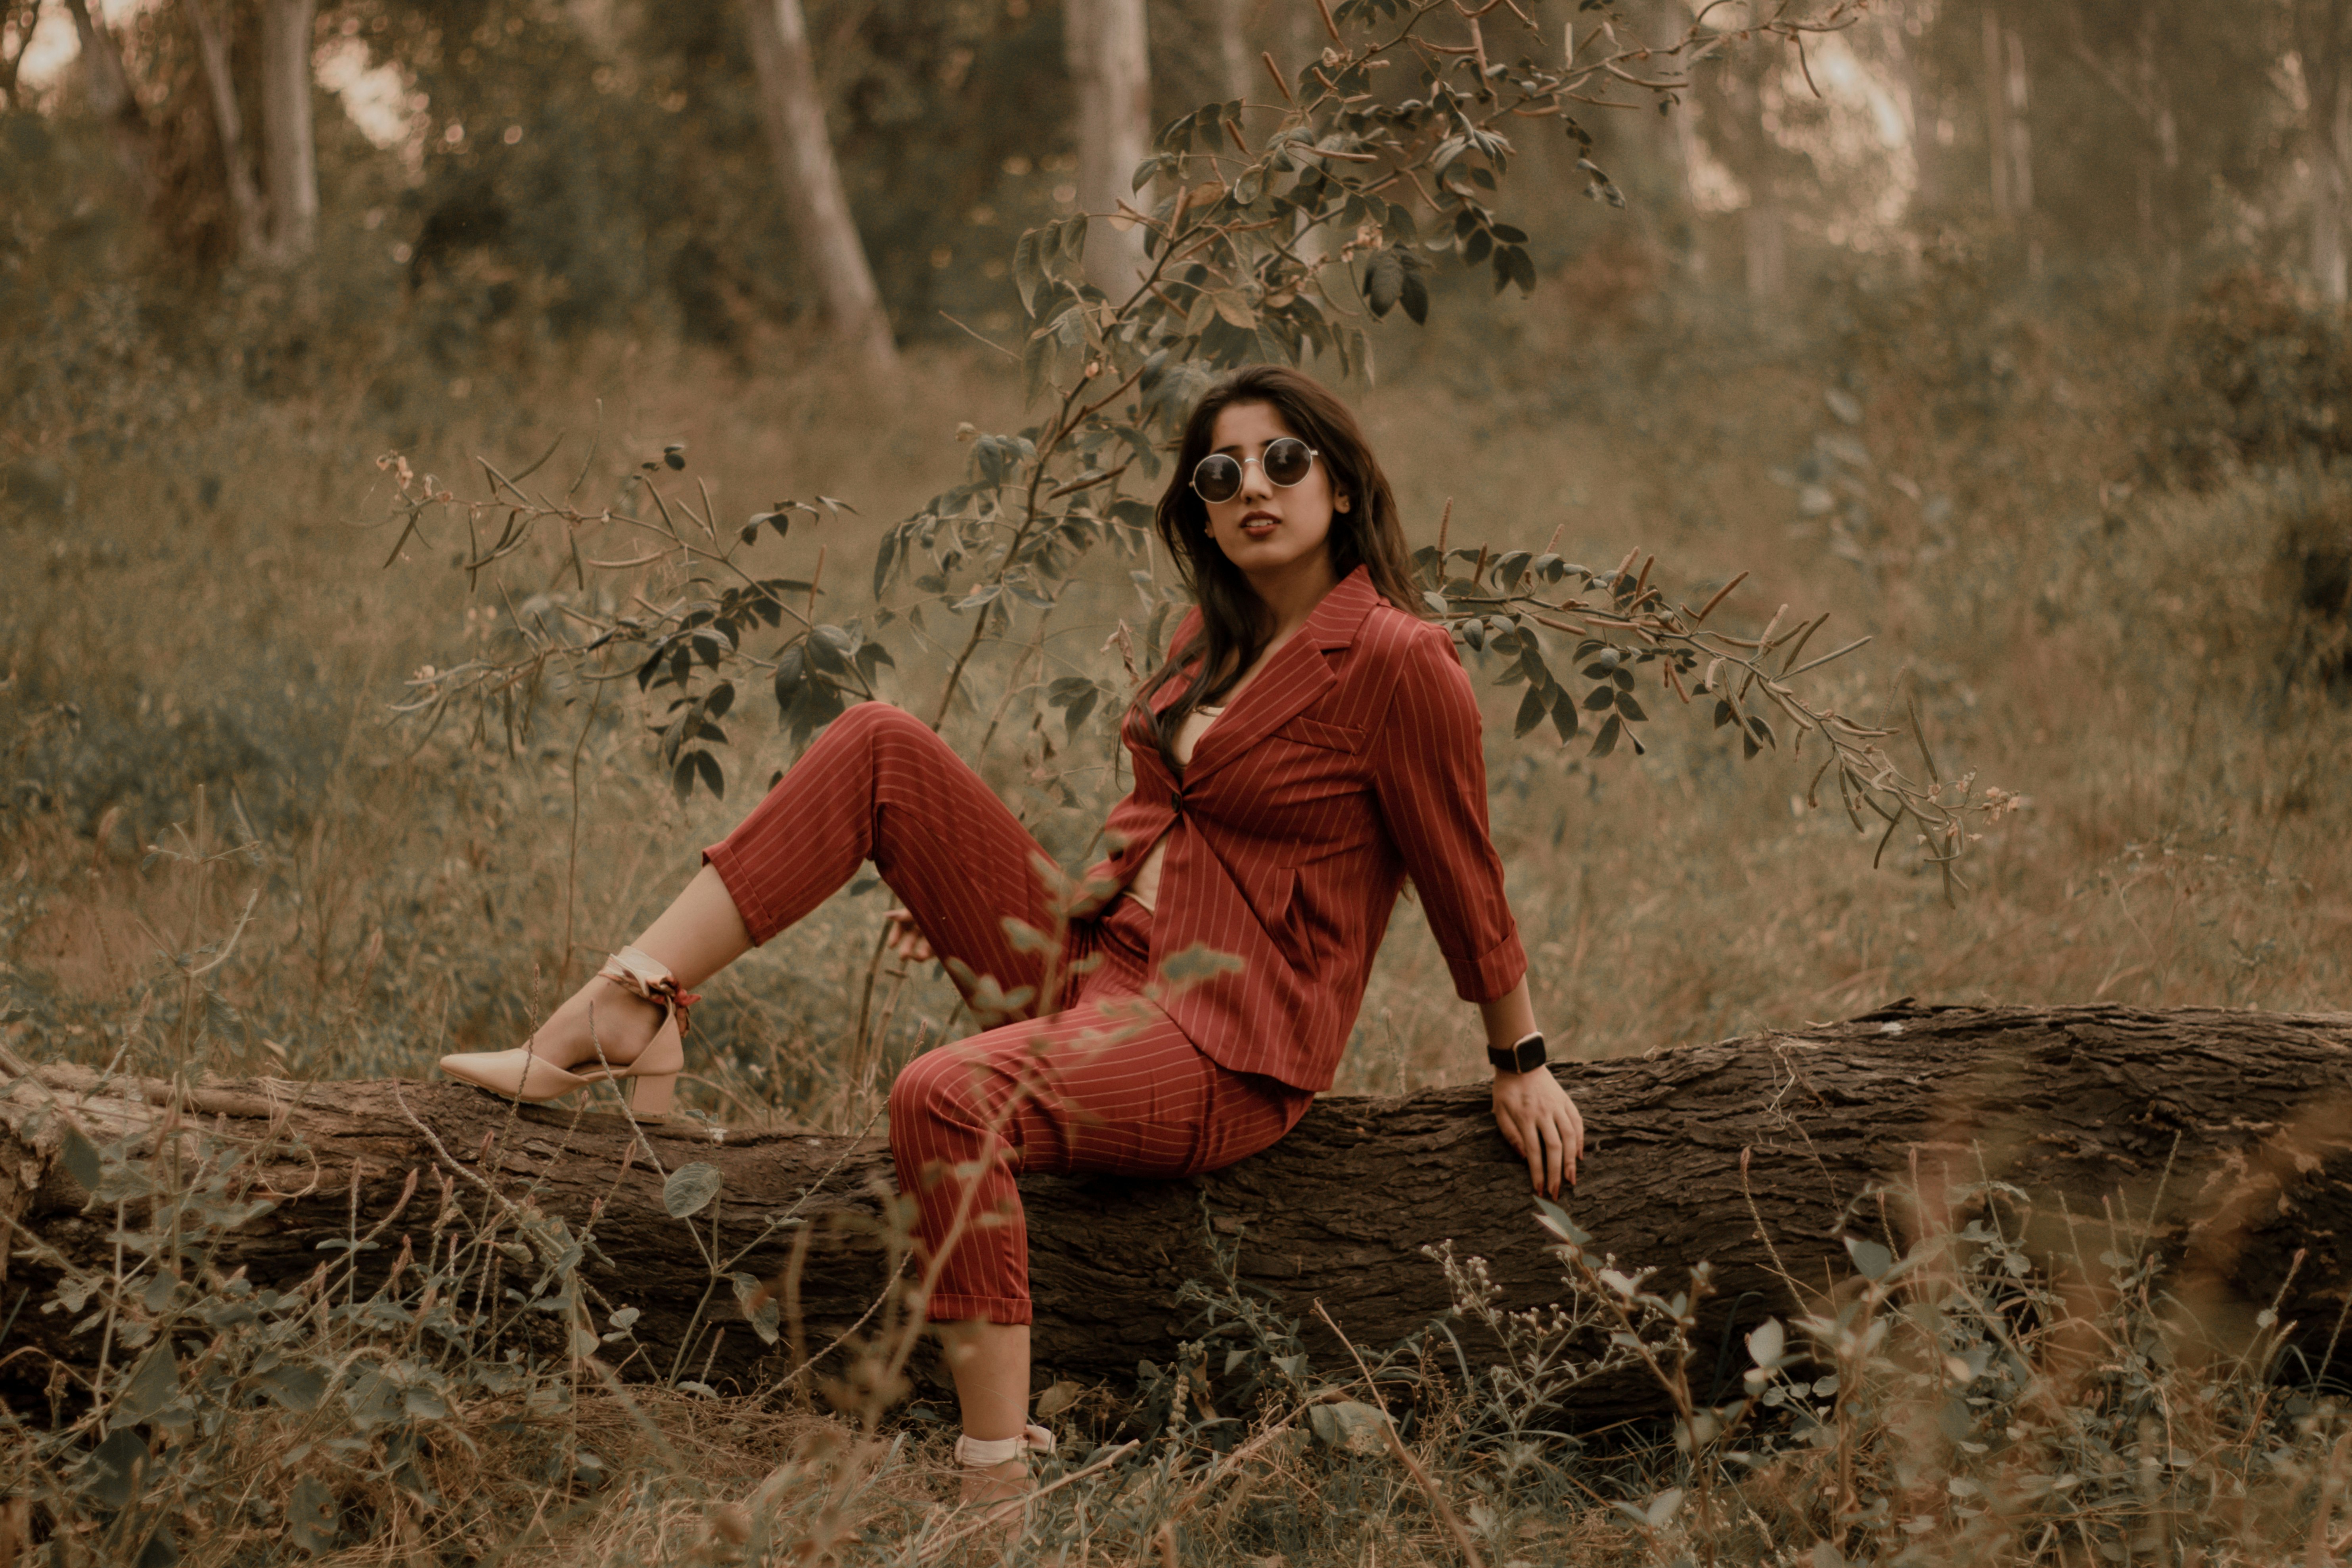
1291,591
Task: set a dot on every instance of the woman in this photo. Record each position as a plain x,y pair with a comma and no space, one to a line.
1308,744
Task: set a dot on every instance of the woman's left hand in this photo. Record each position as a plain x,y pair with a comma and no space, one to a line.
1539,1120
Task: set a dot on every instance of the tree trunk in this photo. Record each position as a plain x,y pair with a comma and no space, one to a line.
2321,44
289,155
1996,85
2328,226
2227,1131
1108,48
1766,235
792,109
112,101
2337,160
244,197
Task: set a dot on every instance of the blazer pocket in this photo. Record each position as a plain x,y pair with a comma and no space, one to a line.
1322,732
1283,926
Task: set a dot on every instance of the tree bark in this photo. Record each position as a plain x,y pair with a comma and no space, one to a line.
2322,36
289,155
244,196
1108,48
792,110
2007,138
1763,228
112,100
2225,1133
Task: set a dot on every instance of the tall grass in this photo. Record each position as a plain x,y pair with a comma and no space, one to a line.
220,855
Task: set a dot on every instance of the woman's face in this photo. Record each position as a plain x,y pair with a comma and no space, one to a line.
1271,531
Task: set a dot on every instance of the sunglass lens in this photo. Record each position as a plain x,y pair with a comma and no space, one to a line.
1288,460
1218,479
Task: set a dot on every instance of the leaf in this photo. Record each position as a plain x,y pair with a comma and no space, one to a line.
1415,299
1026,938
1028,271
150,1387
161,1549
1606,741
1195,963
1057,1398
1347,1425
116,1468
761,1309
790,669
1630,709
1384,282
1663,1507
1531,712
82,1161
1555,1219
313,1518
690,1188
1872,1259
298,1388
1564,716
1766,1342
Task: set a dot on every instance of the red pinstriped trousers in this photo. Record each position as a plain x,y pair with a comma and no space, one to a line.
1092,1078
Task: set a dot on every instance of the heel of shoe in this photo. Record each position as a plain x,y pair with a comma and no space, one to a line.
651,1097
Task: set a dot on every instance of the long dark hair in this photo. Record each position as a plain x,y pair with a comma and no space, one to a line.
1235,624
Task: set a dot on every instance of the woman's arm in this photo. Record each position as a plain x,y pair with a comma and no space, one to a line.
1537,1116
1431,776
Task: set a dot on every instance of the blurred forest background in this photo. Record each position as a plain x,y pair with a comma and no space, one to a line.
2012,335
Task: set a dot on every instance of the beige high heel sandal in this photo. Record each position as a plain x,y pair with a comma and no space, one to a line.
522,1074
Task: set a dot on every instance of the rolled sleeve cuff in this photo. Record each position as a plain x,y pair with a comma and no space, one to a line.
948,1308
1491,974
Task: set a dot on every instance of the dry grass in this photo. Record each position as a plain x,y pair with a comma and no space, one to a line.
224,785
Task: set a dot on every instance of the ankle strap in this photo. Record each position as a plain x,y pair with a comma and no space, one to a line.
977,1453
650,978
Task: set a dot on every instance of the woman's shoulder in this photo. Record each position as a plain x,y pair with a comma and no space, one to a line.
1394,638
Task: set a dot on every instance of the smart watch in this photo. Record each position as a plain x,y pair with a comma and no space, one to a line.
1525,1056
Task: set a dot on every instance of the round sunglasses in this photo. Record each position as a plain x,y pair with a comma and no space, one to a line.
1285,461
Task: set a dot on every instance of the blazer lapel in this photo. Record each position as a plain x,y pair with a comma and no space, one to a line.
1291,680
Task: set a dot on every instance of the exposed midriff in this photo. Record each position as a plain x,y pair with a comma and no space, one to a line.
1144,888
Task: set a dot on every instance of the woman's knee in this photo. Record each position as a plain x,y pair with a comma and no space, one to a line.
932,1094
869,723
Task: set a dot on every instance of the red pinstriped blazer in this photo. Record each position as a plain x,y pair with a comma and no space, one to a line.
1351,760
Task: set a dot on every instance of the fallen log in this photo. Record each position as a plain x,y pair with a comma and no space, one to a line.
2226,1137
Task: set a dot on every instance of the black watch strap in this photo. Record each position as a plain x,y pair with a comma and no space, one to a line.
1525,1056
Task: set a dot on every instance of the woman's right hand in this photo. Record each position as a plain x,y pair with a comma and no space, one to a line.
902,936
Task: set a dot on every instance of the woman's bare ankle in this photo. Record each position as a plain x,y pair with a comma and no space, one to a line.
599,1016
984,1485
